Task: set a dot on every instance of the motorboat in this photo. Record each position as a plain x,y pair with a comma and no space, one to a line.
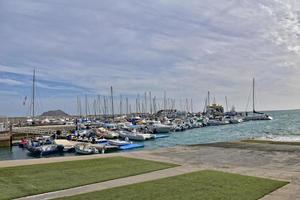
118,142
46,149
157,127
85,149
134,136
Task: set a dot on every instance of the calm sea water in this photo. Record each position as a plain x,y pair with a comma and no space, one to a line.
285,123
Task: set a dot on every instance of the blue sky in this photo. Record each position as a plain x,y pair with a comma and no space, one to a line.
184,47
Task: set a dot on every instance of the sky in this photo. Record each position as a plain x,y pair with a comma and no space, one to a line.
182,47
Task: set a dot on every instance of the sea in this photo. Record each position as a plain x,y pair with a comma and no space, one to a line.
285,124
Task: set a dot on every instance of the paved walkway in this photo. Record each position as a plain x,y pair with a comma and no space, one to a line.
280,162
114,183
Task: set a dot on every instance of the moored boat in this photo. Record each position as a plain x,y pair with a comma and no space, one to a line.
85,149
133,136
258,117
157,127
118,142
44,149
255,116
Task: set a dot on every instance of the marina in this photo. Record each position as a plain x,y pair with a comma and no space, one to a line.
89,134
285,124
151,100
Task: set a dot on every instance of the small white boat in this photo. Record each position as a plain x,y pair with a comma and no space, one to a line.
133,136
157,127
85,149
118,142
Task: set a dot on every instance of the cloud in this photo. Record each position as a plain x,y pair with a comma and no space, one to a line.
183,47
10,82
16,70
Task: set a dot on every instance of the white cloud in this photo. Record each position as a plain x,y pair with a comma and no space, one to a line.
184,47
10,82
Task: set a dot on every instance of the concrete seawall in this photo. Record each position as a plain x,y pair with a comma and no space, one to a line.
5,139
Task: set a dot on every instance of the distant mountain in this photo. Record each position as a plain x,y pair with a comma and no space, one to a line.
55,113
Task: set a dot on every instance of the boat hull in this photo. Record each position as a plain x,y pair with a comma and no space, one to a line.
257,118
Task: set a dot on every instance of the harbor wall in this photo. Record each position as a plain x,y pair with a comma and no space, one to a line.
29,131
5,139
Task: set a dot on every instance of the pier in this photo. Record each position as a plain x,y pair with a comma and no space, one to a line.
39,130
16,133
31,131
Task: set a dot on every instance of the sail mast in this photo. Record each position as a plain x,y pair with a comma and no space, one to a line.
208,98
150,102
253,95
127,109
33,96
112,102
226,104
86,106
165,100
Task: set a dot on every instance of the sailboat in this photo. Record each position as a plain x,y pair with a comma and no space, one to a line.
32,120
256,115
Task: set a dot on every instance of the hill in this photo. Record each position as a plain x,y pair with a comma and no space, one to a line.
55,113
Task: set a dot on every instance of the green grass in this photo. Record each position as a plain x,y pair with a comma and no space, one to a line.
204,185
35,179
271,142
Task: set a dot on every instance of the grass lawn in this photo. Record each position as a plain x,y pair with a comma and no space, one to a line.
204,185
271,142
34,179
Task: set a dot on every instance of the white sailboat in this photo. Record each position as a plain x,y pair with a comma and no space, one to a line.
256,115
